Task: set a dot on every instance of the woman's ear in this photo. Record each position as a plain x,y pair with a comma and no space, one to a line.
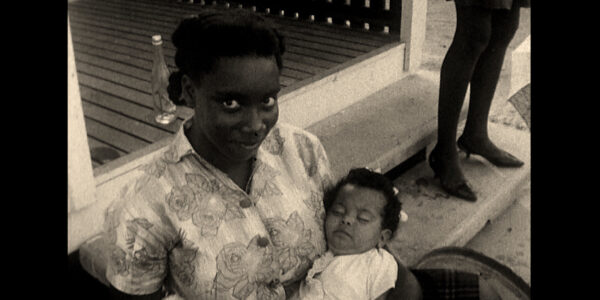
188,91
384,237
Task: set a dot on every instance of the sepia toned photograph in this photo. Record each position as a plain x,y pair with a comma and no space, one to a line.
299,149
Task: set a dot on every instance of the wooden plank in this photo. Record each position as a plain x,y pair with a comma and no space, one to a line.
97,38
303,63
120,140
140,130
184,8
368,38
123,24
331,53
127,94
129,109
307,36
116,77
307,61
291,60
296,75
376,14
118,90
131,11
297,64
110,33
343,33
109,53
94,143
135,72
142,59
317,54
149,18
324,48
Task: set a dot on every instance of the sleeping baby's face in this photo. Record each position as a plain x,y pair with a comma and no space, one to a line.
354,221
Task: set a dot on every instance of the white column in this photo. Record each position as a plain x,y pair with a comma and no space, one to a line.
520,73
80,177
412,31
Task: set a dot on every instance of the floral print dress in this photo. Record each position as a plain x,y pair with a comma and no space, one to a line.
184,225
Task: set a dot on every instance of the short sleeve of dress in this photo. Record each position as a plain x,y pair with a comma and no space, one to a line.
139,237
324,169
383,271
315,160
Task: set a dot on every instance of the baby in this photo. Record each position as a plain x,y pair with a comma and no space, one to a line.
362,215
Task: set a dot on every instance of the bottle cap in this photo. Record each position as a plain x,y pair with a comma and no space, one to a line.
156,39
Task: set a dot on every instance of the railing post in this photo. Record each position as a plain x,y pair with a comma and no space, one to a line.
80,177
412,31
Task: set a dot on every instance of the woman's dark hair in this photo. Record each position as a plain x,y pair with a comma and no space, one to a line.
214,33
365,178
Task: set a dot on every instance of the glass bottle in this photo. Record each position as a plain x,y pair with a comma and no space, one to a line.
163,106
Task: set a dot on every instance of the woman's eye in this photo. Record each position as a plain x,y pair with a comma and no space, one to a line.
231,104
270,101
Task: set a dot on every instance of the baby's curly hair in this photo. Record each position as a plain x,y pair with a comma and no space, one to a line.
366,178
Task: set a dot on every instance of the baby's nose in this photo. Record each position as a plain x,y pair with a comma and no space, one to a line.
347,220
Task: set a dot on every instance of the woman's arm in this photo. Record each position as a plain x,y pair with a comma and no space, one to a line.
407,287
85,223
384,295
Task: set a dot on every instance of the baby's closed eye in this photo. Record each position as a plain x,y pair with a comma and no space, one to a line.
364,217
338,210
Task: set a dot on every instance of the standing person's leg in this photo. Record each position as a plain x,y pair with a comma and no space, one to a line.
483,86
473,32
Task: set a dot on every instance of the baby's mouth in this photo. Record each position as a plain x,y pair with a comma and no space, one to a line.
343,233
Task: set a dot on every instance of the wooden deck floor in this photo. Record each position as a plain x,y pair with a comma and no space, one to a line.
113,55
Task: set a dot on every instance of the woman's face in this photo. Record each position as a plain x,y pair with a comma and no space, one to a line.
354,221
235,107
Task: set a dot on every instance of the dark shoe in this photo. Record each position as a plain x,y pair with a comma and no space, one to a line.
500,158
461,190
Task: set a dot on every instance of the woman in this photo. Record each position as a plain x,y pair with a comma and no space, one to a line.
484,29
232,209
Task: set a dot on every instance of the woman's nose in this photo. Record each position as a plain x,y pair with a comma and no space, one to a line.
253,121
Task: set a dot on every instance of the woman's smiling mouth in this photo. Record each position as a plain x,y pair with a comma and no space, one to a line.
249,145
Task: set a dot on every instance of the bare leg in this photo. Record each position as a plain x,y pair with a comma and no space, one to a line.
484,81
473,32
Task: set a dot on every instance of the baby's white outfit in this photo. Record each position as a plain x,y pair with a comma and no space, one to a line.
357,276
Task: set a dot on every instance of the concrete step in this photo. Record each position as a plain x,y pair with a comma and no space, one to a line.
437,219
385,128
508,238
316,98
